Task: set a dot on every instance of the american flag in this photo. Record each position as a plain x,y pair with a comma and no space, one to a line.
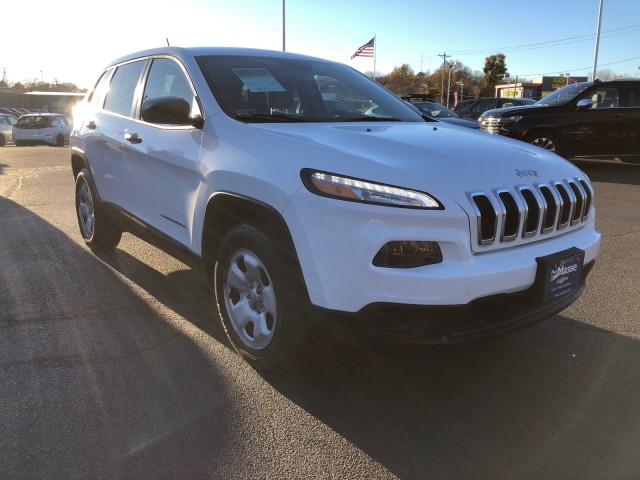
365,50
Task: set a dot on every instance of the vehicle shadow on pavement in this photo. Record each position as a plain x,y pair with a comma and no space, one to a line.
96,381
559,400
183,291
610,172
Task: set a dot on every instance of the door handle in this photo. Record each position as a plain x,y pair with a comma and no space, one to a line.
91,125
132,137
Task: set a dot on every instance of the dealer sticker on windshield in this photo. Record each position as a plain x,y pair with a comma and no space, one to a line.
258,80
559,274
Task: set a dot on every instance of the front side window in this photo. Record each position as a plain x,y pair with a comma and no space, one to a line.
123,88
606,97
167,79
274,89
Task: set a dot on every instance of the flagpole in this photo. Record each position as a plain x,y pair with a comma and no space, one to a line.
375,53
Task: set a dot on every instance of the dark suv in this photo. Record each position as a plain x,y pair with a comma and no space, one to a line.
475,107
589,119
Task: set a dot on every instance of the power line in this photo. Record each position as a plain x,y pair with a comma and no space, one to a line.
531,46
578,69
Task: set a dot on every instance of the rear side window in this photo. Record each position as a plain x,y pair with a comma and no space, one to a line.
630,95
123,88
102,87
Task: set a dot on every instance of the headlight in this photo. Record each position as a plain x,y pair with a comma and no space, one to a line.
355,190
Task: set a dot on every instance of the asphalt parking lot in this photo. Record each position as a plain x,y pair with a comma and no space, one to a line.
115,367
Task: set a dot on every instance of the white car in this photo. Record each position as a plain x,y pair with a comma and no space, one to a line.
7,122
410,229
42,129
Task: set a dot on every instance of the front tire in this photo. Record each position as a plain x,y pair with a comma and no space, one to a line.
544,140
97,231
260,303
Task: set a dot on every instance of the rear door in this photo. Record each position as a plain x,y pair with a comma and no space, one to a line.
104,131
629,118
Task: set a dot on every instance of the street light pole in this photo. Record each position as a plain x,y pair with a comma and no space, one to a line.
283,28
595,56
461,90
451,67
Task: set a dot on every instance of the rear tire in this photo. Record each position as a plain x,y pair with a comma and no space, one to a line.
3,141
97,231
261,304
60,141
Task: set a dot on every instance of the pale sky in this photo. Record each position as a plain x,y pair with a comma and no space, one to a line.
71,41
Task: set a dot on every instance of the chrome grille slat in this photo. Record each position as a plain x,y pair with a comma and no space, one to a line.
533,211
567,205
530,212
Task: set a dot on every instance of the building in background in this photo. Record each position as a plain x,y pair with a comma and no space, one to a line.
54,102
538,88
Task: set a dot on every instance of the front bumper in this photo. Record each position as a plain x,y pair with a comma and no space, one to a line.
491,316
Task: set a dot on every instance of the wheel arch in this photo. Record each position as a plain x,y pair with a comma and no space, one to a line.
78,162
226,210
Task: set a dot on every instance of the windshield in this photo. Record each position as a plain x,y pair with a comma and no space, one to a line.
271,89
564,94
436,110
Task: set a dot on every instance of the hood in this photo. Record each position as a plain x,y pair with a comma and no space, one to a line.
434,157
461,122
508,111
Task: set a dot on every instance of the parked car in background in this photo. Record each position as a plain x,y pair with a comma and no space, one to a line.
443,114
7,122
474,108
42,129
233,161
594,120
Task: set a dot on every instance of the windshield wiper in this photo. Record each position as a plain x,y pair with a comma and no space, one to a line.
268,117
368,118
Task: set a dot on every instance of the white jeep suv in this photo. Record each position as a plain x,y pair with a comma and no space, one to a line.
231,161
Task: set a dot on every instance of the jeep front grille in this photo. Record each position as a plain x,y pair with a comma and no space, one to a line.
506,214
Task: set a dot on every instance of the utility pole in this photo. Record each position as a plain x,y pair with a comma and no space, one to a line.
444,66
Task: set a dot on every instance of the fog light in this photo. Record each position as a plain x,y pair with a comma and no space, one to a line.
408,254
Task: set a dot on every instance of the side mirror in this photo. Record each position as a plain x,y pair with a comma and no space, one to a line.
584,103
168,111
